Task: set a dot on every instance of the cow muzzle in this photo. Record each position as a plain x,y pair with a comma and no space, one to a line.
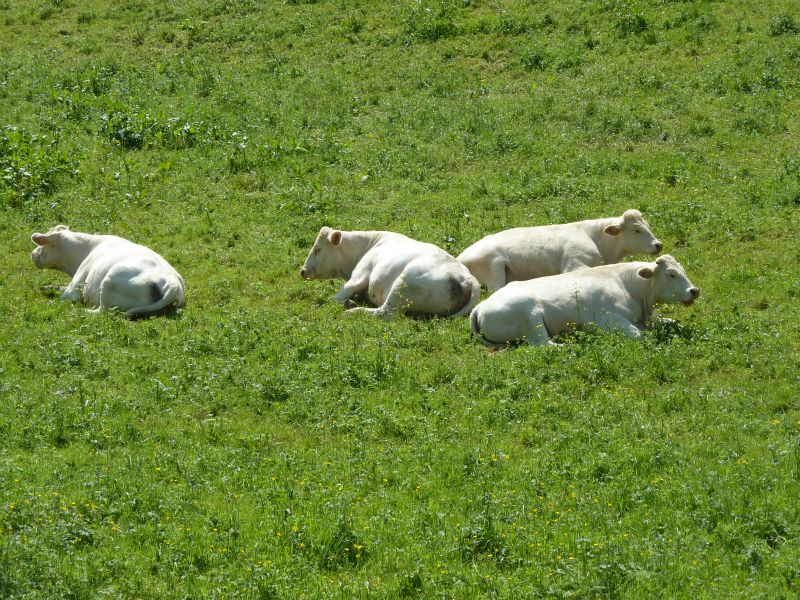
695,294
657,246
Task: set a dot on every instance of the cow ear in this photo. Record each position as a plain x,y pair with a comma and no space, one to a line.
612,230
646,273
39,239
335,238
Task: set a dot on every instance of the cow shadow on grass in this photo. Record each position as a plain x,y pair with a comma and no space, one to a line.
172,312
659,330
52,291
361,299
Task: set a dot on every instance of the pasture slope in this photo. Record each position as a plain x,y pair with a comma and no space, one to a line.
258,443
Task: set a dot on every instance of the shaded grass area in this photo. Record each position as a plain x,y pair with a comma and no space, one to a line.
258,443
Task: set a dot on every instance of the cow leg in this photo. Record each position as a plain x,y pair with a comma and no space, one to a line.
123,288
396,300
495,276
385,311
373,311
537,334
618,323
114,294
72,292
357,283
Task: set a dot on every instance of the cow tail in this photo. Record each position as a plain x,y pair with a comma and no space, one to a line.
474,326
171,292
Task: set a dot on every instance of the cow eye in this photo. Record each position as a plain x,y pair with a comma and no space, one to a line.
638,231
673,275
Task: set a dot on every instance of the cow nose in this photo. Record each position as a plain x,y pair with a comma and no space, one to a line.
302,272
694,292
658,246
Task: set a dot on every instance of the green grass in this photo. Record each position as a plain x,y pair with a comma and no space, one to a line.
261,444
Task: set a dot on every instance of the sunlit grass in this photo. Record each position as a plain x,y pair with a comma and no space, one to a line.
261,444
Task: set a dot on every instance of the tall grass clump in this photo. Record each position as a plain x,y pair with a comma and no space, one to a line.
30,165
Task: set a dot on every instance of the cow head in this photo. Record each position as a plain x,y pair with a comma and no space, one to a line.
48,253
633,235
670,283
324,260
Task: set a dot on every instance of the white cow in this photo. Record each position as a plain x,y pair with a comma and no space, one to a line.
527,252
109,271
619,296
396,272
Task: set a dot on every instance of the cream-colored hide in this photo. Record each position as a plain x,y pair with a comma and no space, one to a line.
528,252
396,272
619,296
108,271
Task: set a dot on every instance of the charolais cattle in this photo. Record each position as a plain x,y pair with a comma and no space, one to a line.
108,271
397,274
615,297
528,252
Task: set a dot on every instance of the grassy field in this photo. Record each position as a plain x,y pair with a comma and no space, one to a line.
261,444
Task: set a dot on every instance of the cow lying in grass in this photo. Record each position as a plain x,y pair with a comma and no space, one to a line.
108,271
396,272
528,252
615,297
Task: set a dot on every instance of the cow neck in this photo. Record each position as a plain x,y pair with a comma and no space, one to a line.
354,245
640,289
606,244
81,244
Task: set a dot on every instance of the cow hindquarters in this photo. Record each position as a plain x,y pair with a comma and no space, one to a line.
513,320
136,291
472,291
445,289
171,292
475,327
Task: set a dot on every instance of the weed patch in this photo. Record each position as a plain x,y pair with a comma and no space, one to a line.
134,129
431,21
782,25
341,548
30,165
